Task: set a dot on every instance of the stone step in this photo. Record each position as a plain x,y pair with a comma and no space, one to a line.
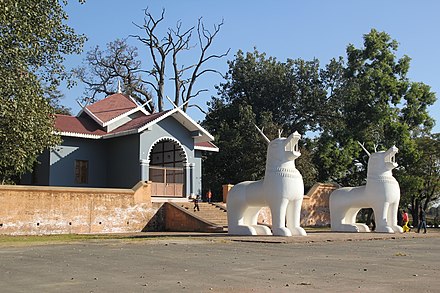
208,211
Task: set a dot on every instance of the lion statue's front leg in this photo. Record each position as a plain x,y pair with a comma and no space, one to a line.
282,189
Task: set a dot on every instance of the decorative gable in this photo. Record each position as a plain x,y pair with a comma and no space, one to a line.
110,108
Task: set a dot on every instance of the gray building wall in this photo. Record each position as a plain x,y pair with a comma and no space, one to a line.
40,174
123,170
112,162
198,173
62,162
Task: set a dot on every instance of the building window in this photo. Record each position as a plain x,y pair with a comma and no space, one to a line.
81,172
166,162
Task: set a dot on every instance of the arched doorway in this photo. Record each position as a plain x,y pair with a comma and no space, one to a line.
166,171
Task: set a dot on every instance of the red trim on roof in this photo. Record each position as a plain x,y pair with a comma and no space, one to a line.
206,144
111,107
86,125
82,125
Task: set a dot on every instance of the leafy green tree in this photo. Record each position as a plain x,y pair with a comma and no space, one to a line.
33,41
291,91
268,93
372,101
242,155
420,182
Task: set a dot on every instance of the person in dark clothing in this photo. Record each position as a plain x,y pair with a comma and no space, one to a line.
196,204
422,220
373,224
400,218
209,196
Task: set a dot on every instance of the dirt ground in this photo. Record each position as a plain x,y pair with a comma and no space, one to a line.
159,262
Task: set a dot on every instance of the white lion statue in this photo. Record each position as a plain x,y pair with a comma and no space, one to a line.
381,193
282,189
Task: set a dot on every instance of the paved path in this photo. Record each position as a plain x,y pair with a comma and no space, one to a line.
170,262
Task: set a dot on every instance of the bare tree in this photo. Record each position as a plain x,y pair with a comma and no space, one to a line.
106,68
120,61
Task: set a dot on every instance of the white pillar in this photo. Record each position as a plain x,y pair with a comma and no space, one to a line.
145,169
191,171
187,180
189,177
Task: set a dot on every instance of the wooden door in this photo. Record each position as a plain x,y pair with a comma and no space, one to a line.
167,181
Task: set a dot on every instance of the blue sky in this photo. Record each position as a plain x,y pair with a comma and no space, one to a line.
282,29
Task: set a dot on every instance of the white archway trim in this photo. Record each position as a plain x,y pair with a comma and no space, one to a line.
167,138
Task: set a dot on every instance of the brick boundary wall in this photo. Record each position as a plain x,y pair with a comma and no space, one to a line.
315,211
179,219
37,210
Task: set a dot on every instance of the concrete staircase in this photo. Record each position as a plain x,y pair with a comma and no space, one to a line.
212,212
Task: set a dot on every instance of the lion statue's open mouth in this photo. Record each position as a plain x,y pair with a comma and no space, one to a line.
390,157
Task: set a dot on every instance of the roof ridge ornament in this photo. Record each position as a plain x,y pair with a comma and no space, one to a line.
174,104
119,87
86,100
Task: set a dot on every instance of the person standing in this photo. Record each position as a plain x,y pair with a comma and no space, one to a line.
400,218
196,204
422,220
209,195
405,220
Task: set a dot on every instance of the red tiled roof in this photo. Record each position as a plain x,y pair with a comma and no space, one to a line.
111,107
87,126
82,125
206,144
